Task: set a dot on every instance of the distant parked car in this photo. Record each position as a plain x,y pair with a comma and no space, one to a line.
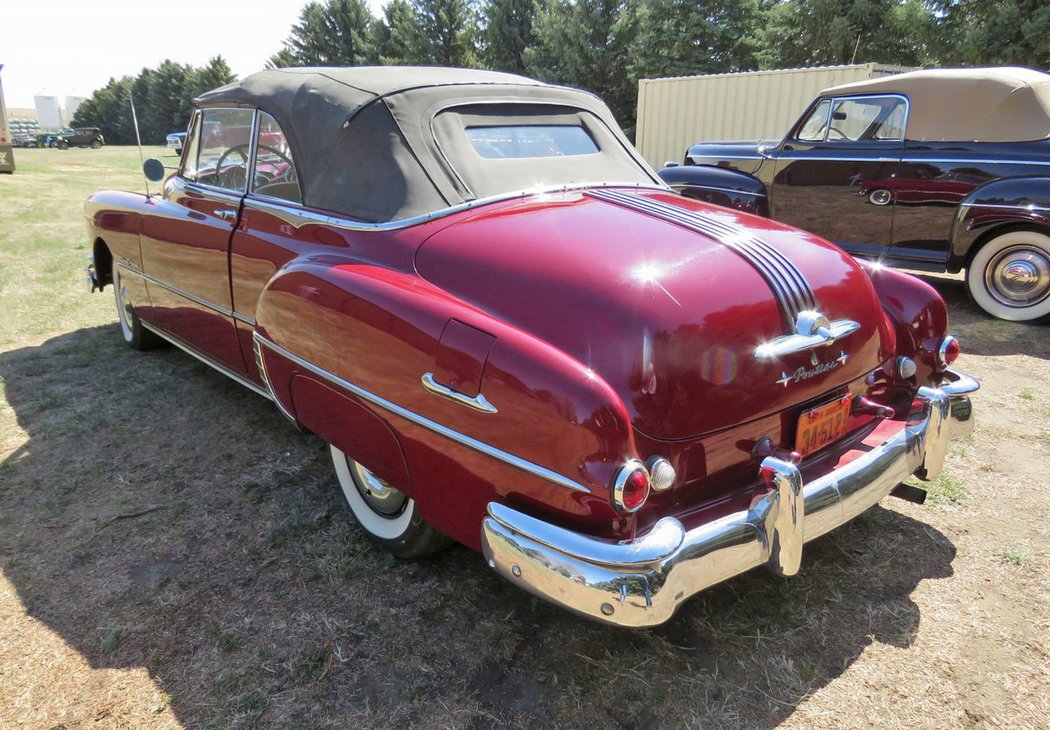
940,170
175,141
23,140
80,137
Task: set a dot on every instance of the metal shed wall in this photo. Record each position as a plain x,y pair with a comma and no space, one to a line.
674,113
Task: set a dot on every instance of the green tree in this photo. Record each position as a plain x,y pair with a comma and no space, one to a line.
508,32
828,32
587,43
685,37
447,32
1003,32
396,37
332,33
211,76
108,109
282,59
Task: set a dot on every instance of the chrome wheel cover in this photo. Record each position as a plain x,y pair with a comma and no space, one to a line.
124,310
1019,276
380,497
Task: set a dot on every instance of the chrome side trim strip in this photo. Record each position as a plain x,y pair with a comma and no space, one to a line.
678,187
1018,206
260,363
788,284
192,297
298,217
207,360
478,402
442,430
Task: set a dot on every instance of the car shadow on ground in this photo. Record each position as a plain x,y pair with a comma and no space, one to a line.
157,515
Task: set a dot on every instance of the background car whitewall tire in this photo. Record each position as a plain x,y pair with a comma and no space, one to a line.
388,516
1009,276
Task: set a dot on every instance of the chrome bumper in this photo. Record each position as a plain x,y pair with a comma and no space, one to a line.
642,582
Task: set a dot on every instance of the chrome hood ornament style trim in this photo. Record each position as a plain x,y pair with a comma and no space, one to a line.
812,329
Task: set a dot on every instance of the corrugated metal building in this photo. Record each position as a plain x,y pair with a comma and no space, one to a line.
674,113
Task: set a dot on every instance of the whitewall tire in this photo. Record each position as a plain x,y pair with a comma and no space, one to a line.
1009,276
133,333
387,515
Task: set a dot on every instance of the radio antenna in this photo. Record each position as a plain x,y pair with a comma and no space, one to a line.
138,140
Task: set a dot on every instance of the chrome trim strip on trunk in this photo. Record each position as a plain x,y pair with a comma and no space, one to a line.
461,438
641,582
789,286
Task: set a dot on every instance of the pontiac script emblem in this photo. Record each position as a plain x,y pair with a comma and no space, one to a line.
818,368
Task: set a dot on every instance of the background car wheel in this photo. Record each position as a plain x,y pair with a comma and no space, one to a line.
1009,277
96,145
135,335
386,514
62,145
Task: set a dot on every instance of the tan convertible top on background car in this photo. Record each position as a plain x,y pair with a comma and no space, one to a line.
967,105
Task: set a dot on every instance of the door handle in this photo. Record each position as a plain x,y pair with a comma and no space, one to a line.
226,215
478,402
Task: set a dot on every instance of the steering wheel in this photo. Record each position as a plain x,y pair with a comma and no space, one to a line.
234,177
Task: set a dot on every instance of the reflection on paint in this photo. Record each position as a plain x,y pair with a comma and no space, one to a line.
718,366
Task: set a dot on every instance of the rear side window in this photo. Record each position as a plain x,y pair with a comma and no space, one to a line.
533,140
274,169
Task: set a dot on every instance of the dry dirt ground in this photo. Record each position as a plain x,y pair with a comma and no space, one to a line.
173,554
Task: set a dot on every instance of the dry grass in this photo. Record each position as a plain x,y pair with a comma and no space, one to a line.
173,554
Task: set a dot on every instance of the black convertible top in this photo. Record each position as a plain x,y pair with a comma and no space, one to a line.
388,143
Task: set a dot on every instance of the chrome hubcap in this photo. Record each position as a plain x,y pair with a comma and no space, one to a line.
382,498
124,310
1019,276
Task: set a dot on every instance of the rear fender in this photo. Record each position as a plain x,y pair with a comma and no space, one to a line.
1014,201
370,335
721,186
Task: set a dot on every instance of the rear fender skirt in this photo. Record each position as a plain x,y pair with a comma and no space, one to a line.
373,334
1010,201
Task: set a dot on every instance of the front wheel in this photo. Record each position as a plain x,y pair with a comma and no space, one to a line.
134,334
62,145
96,145
1009,277
388,516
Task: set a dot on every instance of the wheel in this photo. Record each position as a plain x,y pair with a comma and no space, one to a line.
1009,276
880,196
96,145
62,145
388,517
135,335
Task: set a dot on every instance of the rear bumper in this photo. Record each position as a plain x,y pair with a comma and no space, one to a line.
642,582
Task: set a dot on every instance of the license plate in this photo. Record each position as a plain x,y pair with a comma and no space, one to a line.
822,425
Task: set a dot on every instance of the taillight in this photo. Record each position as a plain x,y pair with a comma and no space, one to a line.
630,487
947,352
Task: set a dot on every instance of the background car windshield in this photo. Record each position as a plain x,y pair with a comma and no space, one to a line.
521,141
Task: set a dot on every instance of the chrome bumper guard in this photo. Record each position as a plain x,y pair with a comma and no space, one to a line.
642,582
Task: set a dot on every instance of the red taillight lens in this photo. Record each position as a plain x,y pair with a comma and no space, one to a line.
948,351
631,487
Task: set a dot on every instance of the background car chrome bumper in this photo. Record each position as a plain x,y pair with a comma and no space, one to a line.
642,582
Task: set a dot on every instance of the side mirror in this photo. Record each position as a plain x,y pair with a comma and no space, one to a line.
153,169
671,163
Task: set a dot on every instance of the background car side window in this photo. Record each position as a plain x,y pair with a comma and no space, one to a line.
189,158
274,168
815,127
225,139
867,118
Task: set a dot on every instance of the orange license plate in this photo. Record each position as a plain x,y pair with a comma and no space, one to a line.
820,426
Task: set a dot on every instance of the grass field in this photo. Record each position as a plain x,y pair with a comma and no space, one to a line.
173,554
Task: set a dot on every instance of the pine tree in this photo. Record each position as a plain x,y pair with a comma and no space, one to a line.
396,36
332,33
508,32
586,43
447,32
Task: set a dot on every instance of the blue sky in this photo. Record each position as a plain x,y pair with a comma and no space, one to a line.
65,48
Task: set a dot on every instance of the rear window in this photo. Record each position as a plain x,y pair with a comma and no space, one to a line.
532,140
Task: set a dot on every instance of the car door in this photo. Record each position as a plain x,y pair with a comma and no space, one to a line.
835,173
185,247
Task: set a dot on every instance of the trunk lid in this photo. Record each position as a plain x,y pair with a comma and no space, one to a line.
668,316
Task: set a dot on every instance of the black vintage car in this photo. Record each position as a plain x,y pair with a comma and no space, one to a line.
80,137
939,170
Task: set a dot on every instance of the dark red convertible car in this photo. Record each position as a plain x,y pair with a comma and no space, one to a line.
515,336
938,170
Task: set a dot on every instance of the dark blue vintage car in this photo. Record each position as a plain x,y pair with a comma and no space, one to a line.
940,170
